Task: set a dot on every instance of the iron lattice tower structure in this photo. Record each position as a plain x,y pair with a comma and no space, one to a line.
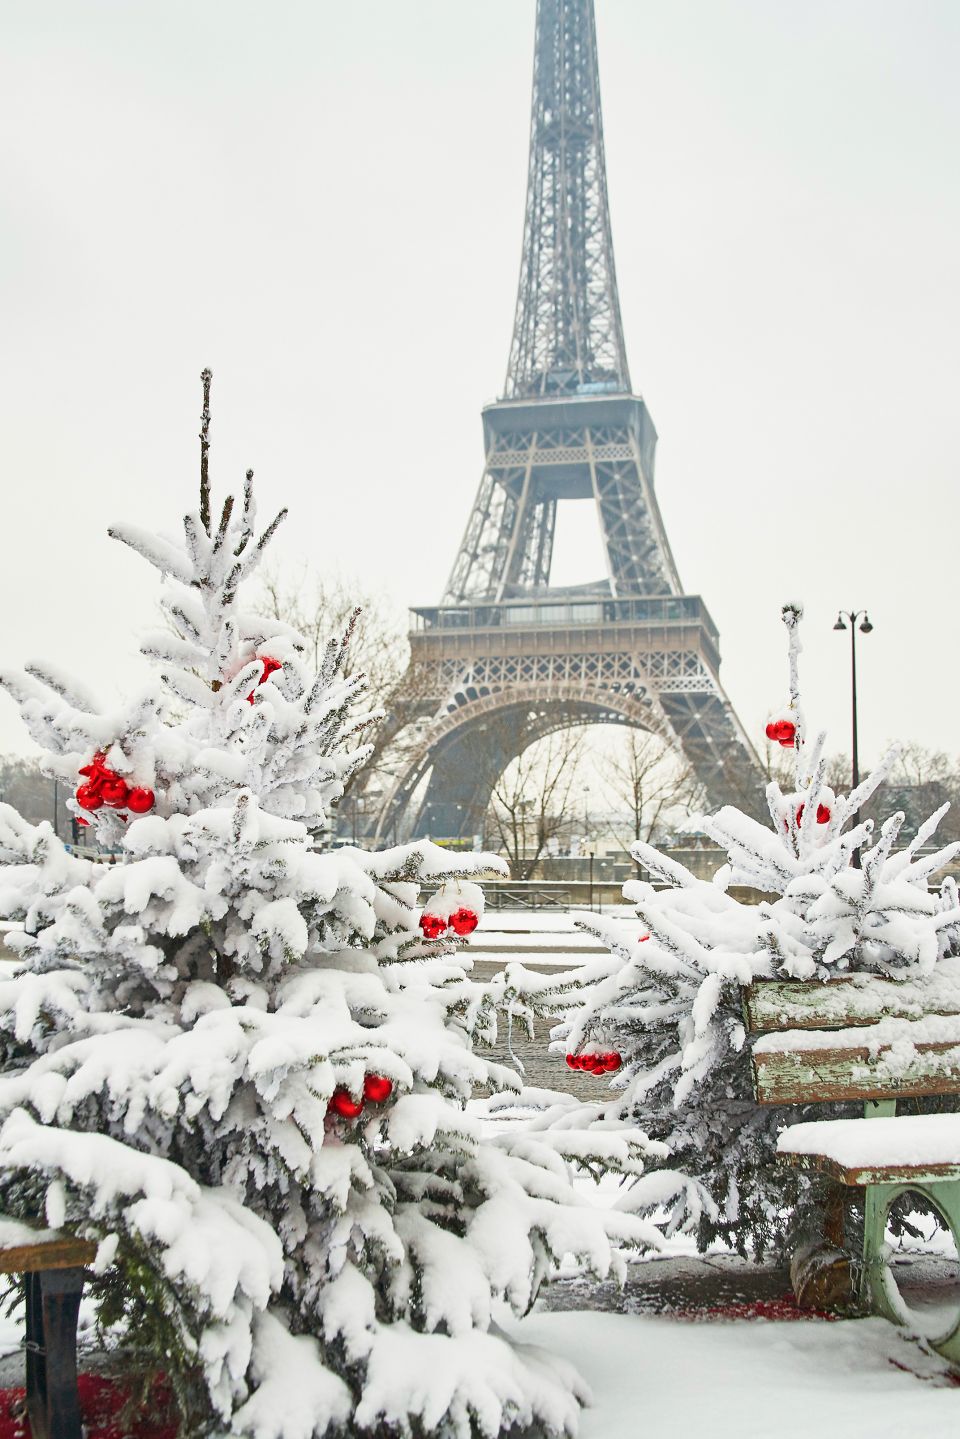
506,658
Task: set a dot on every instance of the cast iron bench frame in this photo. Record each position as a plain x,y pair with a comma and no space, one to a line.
846,1068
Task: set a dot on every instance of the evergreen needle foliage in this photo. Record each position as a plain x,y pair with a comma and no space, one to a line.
234,1060
669,996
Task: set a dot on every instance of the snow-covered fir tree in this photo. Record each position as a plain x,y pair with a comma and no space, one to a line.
666,1004
241,1062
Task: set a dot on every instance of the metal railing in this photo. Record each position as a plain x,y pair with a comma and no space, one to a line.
568,610
552,894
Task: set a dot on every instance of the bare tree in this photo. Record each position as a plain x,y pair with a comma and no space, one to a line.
530,801
920,781
648,782
321,608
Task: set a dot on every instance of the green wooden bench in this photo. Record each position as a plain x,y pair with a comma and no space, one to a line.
53,1265
875,1041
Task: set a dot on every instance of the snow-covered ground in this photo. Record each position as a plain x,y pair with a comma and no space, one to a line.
670,1379
542,920
540,937
654,1376
657,1376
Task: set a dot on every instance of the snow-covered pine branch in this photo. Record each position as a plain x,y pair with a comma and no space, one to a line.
241,1063
668,998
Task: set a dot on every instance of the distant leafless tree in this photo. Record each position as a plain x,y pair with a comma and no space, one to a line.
779,765
647,782
321,608
531,799
920,782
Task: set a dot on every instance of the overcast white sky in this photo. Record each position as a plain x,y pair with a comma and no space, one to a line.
323,201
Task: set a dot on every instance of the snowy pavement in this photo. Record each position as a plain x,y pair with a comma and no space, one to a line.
542,938
675,1376
663,1378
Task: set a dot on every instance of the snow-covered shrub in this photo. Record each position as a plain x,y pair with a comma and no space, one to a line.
669,996
234,1059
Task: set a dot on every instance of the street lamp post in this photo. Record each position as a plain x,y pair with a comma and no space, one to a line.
865,627
848,619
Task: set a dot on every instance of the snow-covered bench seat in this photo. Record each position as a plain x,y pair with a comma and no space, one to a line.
53,1264
875,1041
918,1148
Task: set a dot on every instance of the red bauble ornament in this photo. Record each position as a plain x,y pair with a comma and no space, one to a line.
88,797
97,768
611,1061
84,822
432,926
823,814
787,733
114,791
139,800
343,1103
377,1088
572,1061
269,667
771,731
463,921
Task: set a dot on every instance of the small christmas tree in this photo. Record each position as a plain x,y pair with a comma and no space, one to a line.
241,1063
664,1011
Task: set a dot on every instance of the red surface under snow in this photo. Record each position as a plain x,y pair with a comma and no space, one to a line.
100,1402
786,1308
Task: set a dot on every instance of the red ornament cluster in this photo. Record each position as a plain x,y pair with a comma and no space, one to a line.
269,666
823,814
596,1063
376,1089
784,732
462,921
105,787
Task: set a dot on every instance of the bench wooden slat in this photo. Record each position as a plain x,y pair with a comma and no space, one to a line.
821,1076
873,1173
63,1253
772,1005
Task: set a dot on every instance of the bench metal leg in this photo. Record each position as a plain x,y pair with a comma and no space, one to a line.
53,1308
879,1289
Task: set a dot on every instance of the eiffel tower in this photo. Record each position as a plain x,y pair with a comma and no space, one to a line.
506,657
